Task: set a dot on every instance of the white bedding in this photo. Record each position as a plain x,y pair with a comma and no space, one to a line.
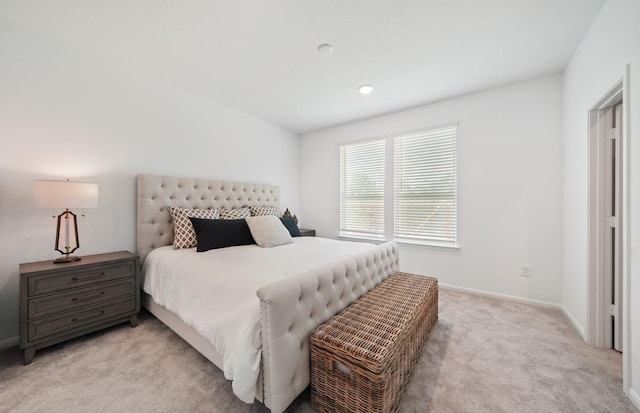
215,293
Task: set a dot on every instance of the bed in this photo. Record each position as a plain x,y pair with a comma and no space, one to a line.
290,291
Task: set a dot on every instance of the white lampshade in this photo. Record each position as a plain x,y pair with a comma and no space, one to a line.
65,194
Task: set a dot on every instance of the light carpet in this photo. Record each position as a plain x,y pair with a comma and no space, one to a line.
483,355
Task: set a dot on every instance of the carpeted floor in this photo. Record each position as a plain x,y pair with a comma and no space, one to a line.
484,355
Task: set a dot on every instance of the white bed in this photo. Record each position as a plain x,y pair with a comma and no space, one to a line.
209,298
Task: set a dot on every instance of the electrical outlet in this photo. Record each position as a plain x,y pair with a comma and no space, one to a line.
525,271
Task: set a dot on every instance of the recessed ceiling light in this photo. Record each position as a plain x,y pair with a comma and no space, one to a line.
365,89
325,48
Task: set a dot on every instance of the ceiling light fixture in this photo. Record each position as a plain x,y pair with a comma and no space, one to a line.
365,89
325,48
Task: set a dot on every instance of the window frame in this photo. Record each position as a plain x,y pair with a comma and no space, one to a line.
347,235
392,189
389,190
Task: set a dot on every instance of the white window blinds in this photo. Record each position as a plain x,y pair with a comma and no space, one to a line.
425,186
362,175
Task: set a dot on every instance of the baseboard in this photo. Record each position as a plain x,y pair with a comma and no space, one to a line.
9,342
635,399
522,300
574,323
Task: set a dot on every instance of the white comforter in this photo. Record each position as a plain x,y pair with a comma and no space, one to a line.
215,293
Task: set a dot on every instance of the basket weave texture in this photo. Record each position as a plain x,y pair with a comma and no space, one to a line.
363,358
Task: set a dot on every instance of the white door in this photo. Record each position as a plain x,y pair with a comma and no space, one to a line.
612,193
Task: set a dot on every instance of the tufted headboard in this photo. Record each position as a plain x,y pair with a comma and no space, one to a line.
156,193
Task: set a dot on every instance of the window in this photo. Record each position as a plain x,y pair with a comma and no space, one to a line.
421,190
424,190
362,175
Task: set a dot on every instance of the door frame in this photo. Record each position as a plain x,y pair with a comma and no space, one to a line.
595,268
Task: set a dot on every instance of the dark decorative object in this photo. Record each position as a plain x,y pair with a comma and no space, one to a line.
287,213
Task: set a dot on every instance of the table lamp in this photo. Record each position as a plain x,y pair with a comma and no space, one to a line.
66,195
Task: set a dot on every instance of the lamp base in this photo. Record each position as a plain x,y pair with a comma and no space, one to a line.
66,259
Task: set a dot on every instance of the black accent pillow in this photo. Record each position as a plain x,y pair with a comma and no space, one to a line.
291,225
221,233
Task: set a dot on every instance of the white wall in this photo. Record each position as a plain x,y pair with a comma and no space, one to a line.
63,114
509,186
612,42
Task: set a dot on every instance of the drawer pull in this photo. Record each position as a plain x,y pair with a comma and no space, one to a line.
88,296
86,277
88,316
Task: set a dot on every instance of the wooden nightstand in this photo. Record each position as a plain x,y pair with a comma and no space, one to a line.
63,301
307,232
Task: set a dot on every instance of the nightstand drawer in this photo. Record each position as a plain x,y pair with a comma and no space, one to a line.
42,306
59,302
52,282
65,322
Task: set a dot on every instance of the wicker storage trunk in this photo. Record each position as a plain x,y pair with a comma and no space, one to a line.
363,358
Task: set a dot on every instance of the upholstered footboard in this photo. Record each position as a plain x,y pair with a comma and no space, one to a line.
292,308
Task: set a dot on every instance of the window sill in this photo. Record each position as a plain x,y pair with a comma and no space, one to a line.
358,239
402,243
429,246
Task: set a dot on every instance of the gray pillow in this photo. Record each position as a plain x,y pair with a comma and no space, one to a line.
268,231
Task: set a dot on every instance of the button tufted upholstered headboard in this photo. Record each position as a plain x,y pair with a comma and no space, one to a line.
156,193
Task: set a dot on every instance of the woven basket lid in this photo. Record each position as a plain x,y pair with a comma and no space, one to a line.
365,332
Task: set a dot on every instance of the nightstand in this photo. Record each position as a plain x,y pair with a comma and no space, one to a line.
62,301
307,232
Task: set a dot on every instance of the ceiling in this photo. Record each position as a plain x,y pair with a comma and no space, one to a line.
261,56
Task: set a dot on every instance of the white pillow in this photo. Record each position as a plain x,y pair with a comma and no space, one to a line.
268,231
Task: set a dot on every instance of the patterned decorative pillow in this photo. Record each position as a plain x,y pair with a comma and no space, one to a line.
268,231
236,213
185,236
257,211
